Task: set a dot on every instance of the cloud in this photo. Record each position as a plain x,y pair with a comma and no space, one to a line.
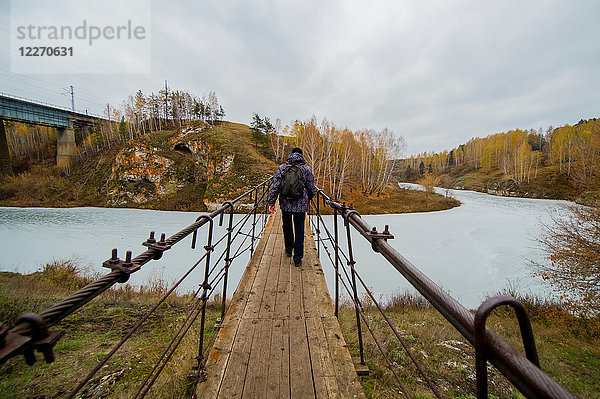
436,72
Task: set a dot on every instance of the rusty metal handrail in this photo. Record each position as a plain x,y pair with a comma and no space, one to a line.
521,372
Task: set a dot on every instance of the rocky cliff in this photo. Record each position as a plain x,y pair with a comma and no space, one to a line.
189,168
209,164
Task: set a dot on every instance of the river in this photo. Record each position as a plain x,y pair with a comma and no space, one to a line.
477,249
33,237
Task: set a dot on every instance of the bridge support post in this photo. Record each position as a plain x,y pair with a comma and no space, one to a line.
65,146
5,162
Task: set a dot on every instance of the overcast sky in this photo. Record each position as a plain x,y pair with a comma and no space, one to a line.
436,72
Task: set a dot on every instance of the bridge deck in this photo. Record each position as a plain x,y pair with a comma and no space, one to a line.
280,338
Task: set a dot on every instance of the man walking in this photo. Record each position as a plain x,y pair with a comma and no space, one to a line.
294,183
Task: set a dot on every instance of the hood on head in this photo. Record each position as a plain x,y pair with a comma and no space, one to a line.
295,158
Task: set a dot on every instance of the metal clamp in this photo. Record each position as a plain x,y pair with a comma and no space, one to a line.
11,344
158,247
125,267
41,340
349,213
481,316
374,235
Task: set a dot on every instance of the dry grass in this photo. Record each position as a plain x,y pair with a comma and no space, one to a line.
568,353
92,331
394,200
567,346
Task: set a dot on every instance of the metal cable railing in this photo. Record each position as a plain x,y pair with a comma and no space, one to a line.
523,372
31,331
349,285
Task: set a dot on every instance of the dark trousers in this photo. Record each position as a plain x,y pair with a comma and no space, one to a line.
293,234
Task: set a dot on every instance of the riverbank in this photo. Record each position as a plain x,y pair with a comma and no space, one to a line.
548,183
45,190
568,346
395,199
190,168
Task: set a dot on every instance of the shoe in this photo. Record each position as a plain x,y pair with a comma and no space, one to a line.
288,254
298,263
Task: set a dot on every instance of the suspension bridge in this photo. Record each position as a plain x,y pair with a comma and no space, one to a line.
278,335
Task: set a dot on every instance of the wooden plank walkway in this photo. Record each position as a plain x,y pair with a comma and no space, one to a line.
280,338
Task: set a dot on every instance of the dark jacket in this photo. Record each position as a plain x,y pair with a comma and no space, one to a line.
300,204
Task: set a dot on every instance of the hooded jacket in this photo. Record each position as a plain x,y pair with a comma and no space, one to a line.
300,204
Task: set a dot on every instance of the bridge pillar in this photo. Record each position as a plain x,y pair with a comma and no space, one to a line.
65,146
5,162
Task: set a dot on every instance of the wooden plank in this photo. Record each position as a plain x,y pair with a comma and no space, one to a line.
296,300
240,296
317,278
309,293
255,294
282,299
322,365
347,380
218,358
255,385
278,381
268,302
232,385
301,382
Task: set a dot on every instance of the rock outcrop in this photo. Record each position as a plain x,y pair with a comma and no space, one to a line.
143,172
140,174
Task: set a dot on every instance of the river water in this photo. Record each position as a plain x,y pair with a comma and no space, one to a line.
474,250
33,237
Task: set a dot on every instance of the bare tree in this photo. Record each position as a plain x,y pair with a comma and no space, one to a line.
573,262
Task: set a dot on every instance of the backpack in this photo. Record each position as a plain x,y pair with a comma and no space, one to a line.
292,182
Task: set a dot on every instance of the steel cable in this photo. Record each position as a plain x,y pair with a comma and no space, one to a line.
133,330
381,311
172,348
73,302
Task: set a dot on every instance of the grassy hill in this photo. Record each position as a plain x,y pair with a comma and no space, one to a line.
170,169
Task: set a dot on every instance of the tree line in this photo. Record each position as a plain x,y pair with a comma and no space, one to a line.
137,115
519,154
336,155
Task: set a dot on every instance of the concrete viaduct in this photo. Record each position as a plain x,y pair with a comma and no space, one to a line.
26,111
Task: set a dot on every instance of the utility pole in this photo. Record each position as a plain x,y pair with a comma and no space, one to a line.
166,101
72,100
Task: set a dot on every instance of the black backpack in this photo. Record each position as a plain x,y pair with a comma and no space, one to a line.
292,182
